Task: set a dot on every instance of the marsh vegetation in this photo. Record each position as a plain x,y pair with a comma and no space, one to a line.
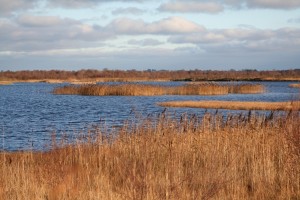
148,75
155,90
5,82
234,105
241,156
295,85
213,155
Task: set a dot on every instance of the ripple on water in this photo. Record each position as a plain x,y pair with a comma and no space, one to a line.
30,113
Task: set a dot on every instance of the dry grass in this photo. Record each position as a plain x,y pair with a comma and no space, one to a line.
295,85
6,82
208,157
235,105
246,88
151,90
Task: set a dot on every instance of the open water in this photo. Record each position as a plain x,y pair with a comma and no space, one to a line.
30,114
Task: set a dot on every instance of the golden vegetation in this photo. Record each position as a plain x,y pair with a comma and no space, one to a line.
5,83
208,157
295,85
151,90
235,105
150,75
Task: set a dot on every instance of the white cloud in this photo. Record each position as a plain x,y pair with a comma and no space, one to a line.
145,42
171,25
29,33
8,6
294,20
30,28
83,3
275,4
285,39
217,6
197,7
129,10
43,21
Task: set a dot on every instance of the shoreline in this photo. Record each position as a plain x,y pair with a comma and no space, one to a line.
103,80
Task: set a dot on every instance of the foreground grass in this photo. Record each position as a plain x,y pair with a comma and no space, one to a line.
208,157
235,105
151,90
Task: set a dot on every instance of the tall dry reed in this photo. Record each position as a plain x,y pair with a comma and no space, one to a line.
193,157
152,90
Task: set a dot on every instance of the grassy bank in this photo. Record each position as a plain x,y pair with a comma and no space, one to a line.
151,90
208,157
234,105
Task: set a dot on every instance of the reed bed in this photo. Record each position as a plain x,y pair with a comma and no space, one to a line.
295,85
192,157
153,90
235,105
246,88
6,82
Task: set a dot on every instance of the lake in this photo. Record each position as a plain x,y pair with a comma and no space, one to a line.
30,113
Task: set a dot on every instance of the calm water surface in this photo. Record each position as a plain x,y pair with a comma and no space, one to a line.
30,113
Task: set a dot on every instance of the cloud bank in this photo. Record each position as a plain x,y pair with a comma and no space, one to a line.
217,6
165,34
195,7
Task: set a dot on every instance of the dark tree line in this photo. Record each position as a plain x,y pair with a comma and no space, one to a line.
187,75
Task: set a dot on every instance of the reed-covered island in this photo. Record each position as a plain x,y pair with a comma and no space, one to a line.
295,85
153,90
243,156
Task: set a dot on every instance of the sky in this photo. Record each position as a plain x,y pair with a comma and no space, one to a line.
148,34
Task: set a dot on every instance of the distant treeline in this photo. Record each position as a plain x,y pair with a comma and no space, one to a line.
176,75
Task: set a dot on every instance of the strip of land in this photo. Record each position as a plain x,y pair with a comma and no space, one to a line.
235,105
54,76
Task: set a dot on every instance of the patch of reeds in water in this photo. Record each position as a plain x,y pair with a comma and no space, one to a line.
295,85
234,105
6,82
152,90
195,157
